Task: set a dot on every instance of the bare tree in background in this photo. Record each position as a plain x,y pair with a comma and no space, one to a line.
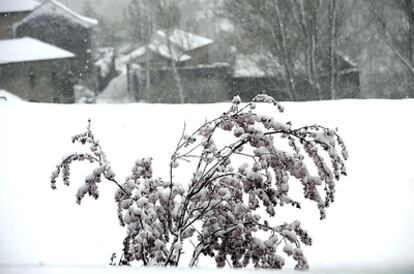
304,37
145,17
333,34
140,20
264,24
305,14
169,19
395,22
398,33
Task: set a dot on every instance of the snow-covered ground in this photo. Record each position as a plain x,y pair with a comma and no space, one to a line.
116,91
370,227
8,96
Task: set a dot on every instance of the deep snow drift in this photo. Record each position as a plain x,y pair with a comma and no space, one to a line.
369,227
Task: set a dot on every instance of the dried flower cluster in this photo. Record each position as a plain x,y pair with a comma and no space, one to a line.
220,210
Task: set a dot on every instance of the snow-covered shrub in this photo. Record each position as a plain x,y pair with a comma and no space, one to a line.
221,209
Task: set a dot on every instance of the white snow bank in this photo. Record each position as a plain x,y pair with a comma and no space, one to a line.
369,228
9,97
182,270
29,49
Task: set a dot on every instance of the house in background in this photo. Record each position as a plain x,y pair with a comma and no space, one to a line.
204,83
13,11
258,73
348,77
184,48
263,73
36,71
56,24
191,44
150,74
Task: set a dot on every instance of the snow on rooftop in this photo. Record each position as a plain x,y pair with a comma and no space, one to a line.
186,41
180,42
58,9
18,5
135,54
257,65
29,49
168,52
158,48
346,58
88,20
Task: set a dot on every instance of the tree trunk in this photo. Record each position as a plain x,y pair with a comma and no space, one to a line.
308,37
285,52
196,255
176,75
313,44
149,31
332,48
410,17
388,39
147,72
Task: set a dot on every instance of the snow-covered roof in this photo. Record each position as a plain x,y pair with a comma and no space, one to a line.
53,7
29,49
159,49
346,58
7,6
168,52
259,65
181,42
184,40
137,53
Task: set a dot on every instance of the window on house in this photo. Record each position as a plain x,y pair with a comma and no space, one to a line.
32,77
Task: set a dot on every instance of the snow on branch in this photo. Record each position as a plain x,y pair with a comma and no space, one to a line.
221,209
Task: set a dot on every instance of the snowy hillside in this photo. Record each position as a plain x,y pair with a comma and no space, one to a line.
369,228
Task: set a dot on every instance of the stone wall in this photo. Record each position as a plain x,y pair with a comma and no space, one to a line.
39,81
6,22
201,84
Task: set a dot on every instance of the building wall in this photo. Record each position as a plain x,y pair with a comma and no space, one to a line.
63,33
7,20
156,61
200,85
199,56
348,87
40,81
